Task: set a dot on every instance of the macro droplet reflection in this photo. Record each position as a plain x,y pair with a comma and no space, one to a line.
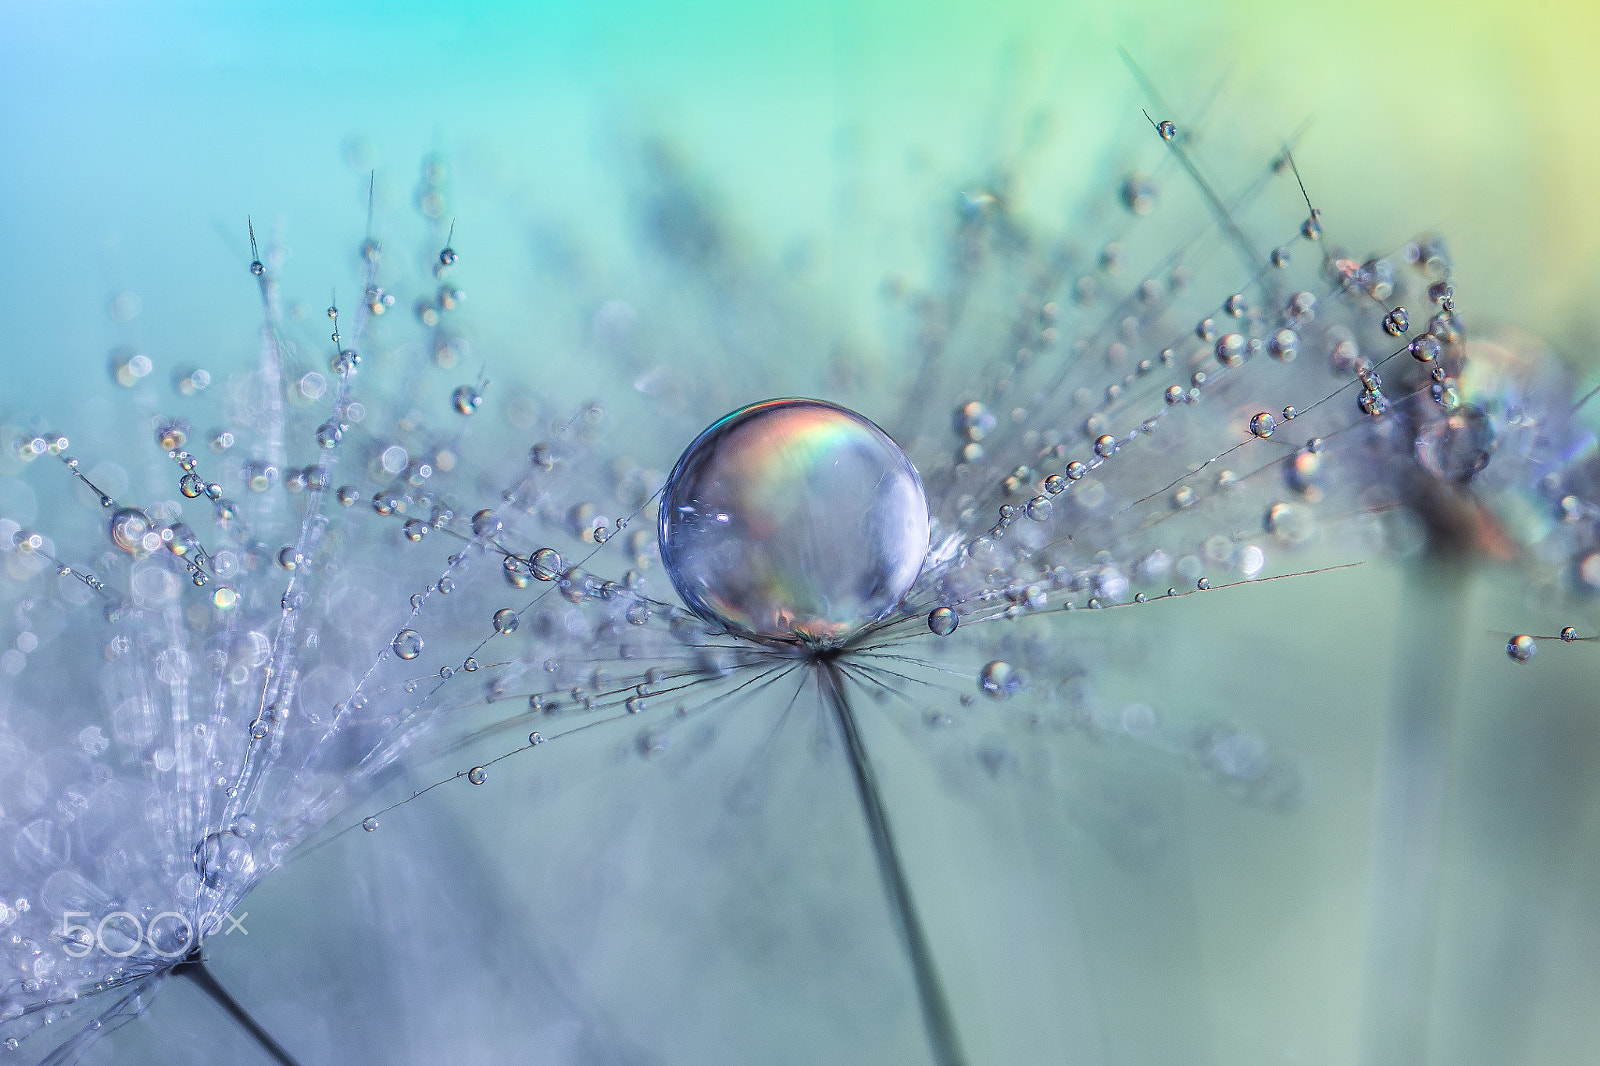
794,520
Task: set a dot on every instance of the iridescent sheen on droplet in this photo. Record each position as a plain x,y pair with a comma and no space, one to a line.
794,520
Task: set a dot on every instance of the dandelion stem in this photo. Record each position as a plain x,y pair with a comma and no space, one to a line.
1408,859
936,1016
196,970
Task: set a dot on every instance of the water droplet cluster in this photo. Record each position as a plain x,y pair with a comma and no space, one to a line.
363,555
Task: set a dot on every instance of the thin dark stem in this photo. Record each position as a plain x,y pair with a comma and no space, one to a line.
196,970
936,1016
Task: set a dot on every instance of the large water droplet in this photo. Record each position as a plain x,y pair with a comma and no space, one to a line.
407,644
793,520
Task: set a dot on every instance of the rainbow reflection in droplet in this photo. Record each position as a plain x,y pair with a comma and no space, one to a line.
794,520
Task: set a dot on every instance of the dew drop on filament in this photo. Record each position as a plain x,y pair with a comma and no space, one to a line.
407,644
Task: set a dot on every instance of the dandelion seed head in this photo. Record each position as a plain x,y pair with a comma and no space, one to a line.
1062,441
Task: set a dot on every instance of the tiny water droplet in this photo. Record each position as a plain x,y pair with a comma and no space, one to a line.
998,680
942,621
505,621
477,775
1521,648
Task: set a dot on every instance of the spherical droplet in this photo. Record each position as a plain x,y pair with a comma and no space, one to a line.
407,644
998,680
1055,484
1396,322
505,621
191,486
259,729
1569,634
466,399
545,564
1521,648
1166,129
515,572
942,621
1105,446
370,824
1076,470
477,775
1263,424
1039,508
793,520
416,529
129,527
485,524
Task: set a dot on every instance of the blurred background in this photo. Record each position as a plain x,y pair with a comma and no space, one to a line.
1432,898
